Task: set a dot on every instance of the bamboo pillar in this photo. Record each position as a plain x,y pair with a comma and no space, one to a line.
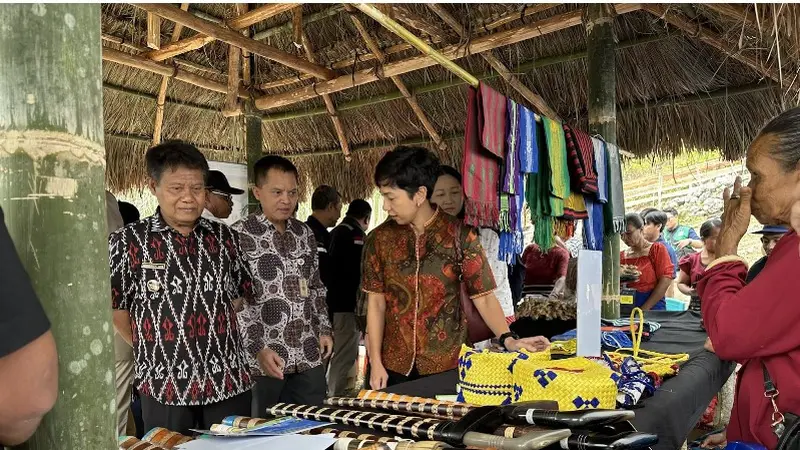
601,61
52,192
254,144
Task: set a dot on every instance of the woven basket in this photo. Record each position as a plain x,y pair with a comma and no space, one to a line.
662,364
575,383
487,378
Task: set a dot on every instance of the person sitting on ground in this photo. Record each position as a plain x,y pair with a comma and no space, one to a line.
546,268
682,238
219,196
28,359
755,324
652,261
412,275
770,235
693,266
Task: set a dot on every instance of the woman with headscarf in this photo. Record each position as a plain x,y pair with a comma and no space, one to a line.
652,261
756,324
448,195
694,265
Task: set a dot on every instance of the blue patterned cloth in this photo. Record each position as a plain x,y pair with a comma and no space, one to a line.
528,144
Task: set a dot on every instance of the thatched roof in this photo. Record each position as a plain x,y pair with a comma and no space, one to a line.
711,82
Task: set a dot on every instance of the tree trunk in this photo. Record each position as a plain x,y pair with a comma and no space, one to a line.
254,144
601,61
52,170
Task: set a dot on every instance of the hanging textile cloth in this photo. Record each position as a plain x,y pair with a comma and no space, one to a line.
511,191
580,159
557,155
615,209
593,225
600,168
480,170
528,141
492,121
575,207
537,194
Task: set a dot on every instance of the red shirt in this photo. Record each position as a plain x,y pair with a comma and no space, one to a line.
651,267
544,268
693,266
754,323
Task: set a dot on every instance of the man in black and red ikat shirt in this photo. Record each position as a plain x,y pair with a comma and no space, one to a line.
175,278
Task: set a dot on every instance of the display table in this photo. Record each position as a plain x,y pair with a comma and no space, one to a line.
675,408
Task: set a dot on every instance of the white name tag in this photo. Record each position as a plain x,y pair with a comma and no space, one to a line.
303,288
154,266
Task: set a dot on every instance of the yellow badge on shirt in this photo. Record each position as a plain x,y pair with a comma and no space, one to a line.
303,287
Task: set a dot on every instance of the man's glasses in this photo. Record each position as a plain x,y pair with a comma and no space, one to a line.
224,195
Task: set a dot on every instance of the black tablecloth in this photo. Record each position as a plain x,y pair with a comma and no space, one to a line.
675,408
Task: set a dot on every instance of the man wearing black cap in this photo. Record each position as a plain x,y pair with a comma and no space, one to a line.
219,196
770,235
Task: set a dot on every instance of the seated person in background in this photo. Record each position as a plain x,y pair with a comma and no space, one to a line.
28,360
693,266
682,238
655,222
770,235
652,260
546,268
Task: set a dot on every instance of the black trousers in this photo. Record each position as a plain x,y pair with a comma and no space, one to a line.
397,378
182,418
304,388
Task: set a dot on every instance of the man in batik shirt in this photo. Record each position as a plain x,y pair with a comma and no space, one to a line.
174,279
286,331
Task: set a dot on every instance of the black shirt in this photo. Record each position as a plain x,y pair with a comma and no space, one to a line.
323,238
179,292
755,269
347,243
22,319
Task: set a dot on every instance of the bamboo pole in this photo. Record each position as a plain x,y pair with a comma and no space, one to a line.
162,90
242,8
601,61
307,20
153,31
413,20
526,11
138,62
538,103
235,38
52,194
140,50
418,43
398,82
134,92
254,143
478,45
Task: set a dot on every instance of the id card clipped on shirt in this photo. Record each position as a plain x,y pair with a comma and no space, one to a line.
304,288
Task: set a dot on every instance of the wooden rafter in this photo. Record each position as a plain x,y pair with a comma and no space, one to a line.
153,31
162,90
241,9
417,22
526,11
139,62
338,126
477,45
144,50
710,37
535,99
401,86
235,38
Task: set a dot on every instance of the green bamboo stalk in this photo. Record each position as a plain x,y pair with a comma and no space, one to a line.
52,192
254,143
601,61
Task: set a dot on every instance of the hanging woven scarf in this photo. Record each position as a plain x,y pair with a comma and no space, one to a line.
593,225
557,156
580,159
600,168
537,194
512,241
480,171
511,161
575,207
528,141
615,209
492,121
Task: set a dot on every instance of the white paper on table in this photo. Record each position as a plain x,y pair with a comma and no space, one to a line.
284,442
590,290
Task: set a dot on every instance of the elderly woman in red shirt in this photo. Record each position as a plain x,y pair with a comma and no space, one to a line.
756,324
652,260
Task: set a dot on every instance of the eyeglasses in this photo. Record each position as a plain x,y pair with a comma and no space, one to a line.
224,195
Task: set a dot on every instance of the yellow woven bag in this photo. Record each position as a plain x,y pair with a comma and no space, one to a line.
662,364
487,378
575,383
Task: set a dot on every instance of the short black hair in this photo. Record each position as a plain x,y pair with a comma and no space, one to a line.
634,219
128,212
671,211
359,209
263,165
408,168
656,217
173,155
646,211
708,227
785,127
323,197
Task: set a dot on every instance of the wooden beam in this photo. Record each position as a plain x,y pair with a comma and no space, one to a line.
297,25
162,90
287,26
259,14
418,43
338,126
710,37
138,62
153,31
234,38
254,145
401,86
538,103
242,8
153,97
478,45
142,50
417,22
179,47
526,11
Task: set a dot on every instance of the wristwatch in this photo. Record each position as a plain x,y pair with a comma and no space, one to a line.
505,336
